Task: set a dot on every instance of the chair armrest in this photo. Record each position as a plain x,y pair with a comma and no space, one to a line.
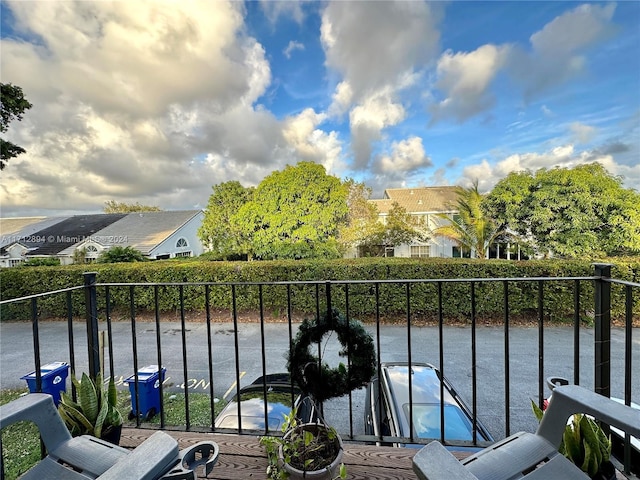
39,409
434,462
202,453
568,400
149,461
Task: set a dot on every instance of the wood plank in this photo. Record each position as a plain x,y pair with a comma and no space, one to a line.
242,457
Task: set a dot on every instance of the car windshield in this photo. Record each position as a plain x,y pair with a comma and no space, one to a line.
426,422
252,410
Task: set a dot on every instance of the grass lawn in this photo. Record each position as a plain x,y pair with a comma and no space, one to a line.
21,443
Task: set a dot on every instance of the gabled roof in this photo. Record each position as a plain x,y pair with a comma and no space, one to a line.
55,238
144,230
421,200
19,229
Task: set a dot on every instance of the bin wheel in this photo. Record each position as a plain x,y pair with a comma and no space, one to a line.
131,415
150,414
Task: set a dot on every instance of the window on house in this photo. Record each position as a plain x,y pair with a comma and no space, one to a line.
420,251
183,254
459,252
182,243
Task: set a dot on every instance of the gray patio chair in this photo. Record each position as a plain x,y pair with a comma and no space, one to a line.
87,457
526,455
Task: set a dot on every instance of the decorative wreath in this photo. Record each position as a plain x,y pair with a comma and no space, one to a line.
317,379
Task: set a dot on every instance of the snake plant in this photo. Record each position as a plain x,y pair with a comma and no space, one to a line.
95,411
583,442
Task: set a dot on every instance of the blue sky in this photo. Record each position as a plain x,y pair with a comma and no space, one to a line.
155,102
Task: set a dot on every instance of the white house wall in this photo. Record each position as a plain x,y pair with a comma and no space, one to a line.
189,231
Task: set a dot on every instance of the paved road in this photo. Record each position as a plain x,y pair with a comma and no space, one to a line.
16,359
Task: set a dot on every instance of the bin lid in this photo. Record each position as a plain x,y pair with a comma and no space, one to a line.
48,370
145,374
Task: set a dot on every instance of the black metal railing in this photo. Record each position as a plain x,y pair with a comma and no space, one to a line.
99,305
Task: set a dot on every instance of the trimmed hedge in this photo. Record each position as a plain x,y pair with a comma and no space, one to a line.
306,298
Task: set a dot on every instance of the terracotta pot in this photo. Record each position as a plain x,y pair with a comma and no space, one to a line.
326,473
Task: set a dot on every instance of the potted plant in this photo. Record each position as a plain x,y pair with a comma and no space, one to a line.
95,412
314,450
306,450
586,445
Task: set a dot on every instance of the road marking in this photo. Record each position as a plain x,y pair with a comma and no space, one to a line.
233,385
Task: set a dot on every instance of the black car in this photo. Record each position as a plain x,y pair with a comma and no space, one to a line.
281,398
387,410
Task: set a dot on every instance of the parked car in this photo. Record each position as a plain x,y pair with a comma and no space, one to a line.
281,398
387,406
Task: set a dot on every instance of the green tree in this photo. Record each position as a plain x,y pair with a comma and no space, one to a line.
295,213
111,206
121,254
470,228
219,231
569,212
13,106
362,225
398,228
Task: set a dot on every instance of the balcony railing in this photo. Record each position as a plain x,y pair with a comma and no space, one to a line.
487,380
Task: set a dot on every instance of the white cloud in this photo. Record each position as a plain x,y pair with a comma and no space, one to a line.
406,156
273,10
291,47
311,143
465,78
373,43
130,99
556,50
367,122
566,156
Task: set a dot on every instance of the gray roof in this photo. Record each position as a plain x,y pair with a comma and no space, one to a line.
144,230
20,229
57,237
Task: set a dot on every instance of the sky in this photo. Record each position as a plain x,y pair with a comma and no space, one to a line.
157,101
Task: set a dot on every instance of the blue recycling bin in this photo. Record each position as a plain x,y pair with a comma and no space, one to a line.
54,379
148,391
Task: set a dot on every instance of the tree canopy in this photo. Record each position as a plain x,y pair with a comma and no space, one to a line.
399,227
295,213
121,254
569,212
362,225
111,206
470,228
13,106
219,230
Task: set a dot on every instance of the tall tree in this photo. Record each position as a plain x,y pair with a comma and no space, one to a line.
219,231
569,212
111,206
362,225
13,106
470,228
295,213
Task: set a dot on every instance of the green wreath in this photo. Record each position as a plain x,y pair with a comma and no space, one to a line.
320,381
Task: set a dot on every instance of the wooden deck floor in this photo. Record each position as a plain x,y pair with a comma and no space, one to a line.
242,457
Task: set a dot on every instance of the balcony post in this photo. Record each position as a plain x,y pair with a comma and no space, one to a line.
602,329
91,309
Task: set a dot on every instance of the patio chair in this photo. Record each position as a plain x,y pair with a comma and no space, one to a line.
87,457
526,455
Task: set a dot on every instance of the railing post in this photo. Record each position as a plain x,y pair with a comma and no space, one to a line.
91,308
602,333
